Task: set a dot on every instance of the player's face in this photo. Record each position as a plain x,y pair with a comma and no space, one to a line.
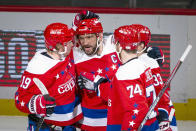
88,43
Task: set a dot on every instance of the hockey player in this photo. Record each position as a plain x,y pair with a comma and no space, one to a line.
132,90
165,104
95,59
54,66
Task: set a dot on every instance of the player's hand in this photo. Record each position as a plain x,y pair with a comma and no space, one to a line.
157,54
81,16
164,123
42,105
90,82
165,126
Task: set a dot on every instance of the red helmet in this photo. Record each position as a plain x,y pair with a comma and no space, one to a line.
89,26
144,33
127,37
57,33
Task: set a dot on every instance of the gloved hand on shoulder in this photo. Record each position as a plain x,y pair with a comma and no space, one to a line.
157,54
90,82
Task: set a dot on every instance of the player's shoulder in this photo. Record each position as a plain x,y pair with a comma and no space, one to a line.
109,47
150,62
39,64
76,52
131,70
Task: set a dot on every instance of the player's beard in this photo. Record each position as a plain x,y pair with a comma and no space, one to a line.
90,50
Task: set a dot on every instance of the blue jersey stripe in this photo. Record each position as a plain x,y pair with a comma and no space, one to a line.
94,113
113,127
63,109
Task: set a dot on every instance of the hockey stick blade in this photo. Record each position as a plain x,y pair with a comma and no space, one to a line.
41,86
166,85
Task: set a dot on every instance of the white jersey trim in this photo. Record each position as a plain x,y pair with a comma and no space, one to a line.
150,62
66,117
93,121
40,64
131,70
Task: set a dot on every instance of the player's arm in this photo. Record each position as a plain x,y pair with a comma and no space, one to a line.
29,99
158,84
24,93
164,103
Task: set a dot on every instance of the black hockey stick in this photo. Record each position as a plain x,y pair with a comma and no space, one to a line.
166,85
44,91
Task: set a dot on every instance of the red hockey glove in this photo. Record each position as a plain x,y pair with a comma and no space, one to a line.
157,54
81,16
165,126
42,105
90,82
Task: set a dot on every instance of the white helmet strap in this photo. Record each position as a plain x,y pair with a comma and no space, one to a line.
62,56
118,53
138,52
98,43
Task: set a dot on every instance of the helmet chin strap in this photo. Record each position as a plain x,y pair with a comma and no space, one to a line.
98,45
118,53
138,52
62,56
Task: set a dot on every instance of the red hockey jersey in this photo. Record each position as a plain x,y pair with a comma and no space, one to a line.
127,103
163,104
94,107
59,79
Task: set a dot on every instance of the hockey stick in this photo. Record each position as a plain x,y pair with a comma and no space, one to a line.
44,91
166,85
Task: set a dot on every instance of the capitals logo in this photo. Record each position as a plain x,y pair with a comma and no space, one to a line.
68,86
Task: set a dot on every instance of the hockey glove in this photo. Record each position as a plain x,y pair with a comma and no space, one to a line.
81,16
157,54
42,105
90,82
165,126
164,123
